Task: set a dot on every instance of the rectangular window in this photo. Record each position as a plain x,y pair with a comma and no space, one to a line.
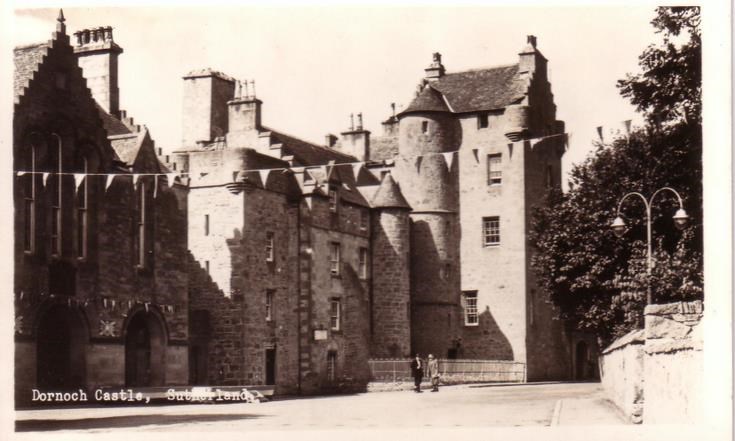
424,126
334,258
494,172
269,305
333,199
141,227
331,366
469,301
82,217
491,231
364,219
335,312
270,240
482,121
56,204
363,264
206,225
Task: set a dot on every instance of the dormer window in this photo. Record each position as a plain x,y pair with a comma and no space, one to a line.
482,121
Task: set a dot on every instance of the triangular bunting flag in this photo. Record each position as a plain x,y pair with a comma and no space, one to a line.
155,186
567,137
356,169
45,178
264,176
448,157
78,178
476,152
109,180
170,177
599,133
21,173
535,141
626,123
135,178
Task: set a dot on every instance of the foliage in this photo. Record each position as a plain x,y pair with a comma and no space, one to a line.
597,280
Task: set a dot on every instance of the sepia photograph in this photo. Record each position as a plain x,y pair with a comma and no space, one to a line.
368,221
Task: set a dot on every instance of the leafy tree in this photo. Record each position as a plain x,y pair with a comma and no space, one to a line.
597,280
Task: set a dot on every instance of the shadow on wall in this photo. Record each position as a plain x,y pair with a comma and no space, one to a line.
485,341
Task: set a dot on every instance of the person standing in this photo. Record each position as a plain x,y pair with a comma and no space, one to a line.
417,370
433,371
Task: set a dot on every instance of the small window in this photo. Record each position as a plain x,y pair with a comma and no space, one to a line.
482,121
364,220
269,246
333,199
82,213
363,267
206,225
334,258
491,231
469,302
494,171
269,305
425,127
331,366
335,312
174,166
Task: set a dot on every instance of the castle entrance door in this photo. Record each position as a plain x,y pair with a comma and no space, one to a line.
144,351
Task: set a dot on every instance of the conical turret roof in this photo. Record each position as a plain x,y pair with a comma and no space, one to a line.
389,195
428,100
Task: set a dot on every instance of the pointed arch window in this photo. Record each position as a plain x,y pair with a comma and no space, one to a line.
82,211
57,199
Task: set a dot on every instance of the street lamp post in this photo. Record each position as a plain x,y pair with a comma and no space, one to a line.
680,220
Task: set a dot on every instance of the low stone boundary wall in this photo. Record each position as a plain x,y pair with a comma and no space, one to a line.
655,375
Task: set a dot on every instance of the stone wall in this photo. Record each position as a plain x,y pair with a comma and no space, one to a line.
621,370
655,375
672,367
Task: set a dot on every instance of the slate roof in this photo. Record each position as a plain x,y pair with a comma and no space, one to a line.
208,72
27,58
127,147
389,195
429,100
473,90
112,125
305,152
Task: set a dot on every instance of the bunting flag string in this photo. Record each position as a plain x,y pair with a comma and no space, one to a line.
264,176
264,173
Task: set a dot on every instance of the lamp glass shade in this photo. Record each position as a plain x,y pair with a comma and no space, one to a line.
618,226
681,219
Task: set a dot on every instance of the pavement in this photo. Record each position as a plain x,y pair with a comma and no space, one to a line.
462,406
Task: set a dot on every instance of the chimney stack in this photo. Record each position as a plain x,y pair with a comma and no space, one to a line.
531,61
206,95
435,69
97,53
244,116
356,141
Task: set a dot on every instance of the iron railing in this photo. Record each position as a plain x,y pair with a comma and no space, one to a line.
451,371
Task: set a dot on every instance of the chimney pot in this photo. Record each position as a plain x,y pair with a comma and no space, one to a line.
531,39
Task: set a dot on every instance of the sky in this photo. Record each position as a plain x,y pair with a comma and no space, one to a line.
313,66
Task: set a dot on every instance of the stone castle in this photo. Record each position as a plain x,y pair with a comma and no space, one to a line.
251,257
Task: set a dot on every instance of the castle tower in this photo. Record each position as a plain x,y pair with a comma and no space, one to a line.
97,53
390,269
206,113
428,131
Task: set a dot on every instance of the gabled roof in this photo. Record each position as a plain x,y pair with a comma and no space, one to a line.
112,125
27,58
306,153
389,195
482,89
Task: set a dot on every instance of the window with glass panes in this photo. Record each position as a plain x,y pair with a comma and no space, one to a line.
335,312
334,258
494,171
491,231
469,300
363,263
270,239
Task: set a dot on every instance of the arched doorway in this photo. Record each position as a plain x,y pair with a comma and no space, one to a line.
144,351
582,357
60,346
